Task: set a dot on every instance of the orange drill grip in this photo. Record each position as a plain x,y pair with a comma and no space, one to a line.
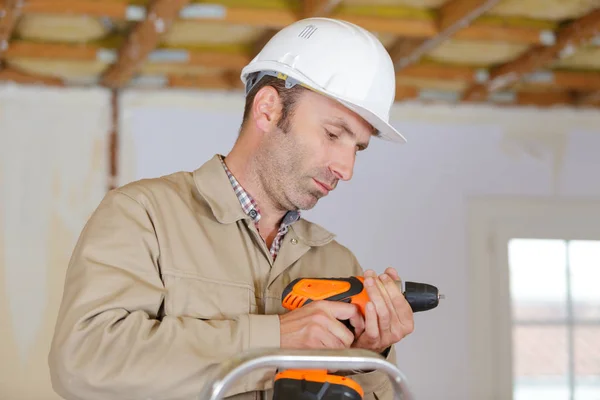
302,291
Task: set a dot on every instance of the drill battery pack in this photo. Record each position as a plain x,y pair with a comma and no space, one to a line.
315,385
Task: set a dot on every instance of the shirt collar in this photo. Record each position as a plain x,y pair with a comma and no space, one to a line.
248,203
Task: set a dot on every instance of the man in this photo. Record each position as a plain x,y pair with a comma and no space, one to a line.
173,274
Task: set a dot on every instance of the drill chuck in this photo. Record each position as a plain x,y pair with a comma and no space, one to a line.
421,296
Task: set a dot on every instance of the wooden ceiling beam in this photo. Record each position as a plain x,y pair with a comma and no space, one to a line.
568,39
144,37
453,16
544,99
91,52
10,10
64,51
279,18
13,75
437,71
222,81
589,99
112,9
319,8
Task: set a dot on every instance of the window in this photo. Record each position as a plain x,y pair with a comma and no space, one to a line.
554,290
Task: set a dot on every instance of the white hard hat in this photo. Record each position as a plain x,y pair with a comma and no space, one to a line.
337,59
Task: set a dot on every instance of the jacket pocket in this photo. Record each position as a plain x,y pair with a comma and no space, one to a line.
197,297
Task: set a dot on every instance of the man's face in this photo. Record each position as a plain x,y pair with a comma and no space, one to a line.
319,150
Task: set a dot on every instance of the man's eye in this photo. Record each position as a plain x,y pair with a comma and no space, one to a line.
331,135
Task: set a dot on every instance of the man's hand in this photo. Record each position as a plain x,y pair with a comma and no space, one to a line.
389,317
317,326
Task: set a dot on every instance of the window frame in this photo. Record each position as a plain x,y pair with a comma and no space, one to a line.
492,223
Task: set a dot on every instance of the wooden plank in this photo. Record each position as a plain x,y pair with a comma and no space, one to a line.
546,99
404,92
75,52
10,10
589,99
278,18
568,39
453,16
89,52
420,28
111,9
13,75
404,46
499,33
319,8
113,173
228,61
204,81
566,80
437,71
458,14
143,38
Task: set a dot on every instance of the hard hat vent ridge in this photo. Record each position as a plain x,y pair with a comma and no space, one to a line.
307,32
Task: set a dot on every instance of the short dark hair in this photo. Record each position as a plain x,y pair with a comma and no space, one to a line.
289,97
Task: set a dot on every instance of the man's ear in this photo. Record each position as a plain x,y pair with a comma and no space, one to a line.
266,109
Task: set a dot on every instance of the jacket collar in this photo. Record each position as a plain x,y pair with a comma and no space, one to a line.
214,186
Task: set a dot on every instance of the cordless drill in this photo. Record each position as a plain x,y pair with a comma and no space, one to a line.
319,384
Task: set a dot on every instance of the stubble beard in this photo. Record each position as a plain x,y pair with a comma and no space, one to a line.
282,174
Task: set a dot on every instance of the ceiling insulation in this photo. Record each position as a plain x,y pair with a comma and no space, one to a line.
185,33
553,10
476,53
59,68
439,84
61,28
209,42
586,58
429,4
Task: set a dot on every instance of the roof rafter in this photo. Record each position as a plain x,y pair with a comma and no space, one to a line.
568,39
143,38
278,18
454,16
13,75
10,10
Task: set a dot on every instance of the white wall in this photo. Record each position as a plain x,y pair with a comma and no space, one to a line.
410,202
53,169
407,206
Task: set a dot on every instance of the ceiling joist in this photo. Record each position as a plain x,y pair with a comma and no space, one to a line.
12,75
568,40
319,8
274,18
454,16
9,13
144,38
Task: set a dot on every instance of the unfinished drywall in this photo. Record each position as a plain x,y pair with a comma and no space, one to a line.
53,169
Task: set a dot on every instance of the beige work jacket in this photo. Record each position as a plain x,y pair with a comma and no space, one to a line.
169,276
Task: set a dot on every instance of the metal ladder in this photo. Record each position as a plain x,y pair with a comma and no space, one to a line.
222,376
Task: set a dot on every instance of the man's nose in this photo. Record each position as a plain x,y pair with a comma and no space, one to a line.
343,166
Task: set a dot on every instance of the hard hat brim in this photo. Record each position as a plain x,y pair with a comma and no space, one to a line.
384,129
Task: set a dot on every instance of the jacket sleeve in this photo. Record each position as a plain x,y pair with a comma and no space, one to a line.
110,340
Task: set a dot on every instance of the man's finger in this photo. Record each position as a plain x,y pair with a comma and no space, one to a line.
371,325
392,293
358,323
376,297
340,310
393,273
